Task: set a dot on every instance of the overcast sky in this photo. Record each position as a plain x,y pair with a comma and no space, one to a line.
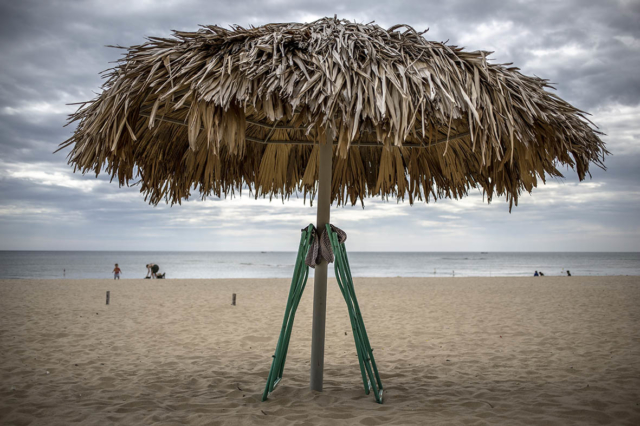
52,53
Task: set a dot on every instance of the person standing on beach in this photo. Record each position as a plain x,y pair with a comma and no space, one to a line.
116,272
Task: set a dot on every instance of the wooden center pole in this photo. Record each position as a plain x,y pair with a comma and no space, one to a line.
320,274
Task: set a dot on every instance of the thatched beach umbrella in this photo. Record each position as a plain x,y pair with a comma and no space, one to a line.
271,109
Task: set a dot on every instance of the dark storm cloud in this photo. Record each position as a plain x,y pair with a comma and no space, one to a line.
52,53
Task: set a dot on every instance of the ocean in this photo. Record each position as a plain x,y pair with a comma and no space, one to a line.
99,264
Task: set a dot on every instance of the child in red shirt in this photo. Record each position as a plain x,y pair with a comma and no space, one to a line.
116,272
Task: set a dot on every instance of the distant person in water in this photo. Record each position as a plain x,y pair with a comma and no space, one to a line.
152,270
116,272
535,274
568,273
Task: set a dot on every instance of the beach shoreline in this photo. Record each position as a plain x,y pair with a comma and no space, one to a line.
544,350
216,265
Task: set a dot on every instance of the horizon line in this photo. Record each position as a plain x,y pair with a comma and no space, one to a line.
293,251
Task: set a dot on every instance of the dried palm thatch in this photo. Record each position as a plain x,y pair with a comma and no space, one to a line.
218,109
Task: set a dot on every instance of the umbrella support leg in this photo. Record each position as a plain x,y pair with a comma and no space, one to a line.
298,283
368,368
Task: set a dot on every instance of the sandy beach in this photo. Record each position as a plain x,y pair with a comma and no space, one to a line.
535,351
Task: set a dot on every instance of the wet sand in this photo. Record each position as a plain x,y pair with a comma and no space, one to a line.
534,351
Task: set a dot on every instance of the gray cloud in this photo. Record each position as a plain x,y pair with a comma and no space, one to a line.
53,52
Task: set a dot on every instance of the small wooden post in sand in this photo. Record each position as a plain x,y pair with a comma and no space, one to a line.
233,300
108,294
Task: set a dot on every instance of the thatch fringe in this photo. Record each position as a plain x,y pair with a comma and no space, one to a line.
192,111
